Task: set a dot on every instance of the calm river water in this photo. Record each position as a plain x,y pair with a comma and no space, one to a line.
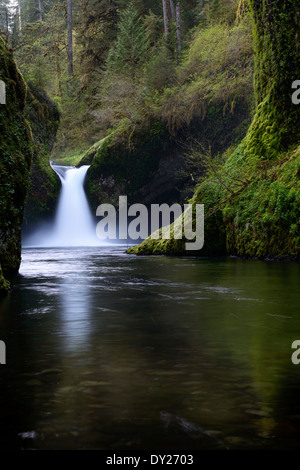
116,352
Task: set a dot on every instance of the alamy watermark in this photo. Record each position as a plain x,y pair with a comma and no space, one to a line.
296,345
2,92
296,94
2,352
188,222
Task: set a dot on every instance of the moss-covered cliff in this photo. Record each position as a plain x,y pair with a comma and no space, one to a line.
15,159
124,162
44,184
252,204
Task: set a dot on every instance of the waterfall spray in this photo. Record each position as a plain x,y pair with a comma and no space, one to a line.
73,224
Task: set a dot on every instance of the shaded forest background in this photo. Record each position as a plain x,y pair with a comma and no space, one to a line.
126,63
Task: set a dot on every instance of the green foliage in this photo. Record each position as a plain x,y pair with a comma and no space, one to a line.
217,11
95,27
70,159
159,70
132,43
217,69
42,54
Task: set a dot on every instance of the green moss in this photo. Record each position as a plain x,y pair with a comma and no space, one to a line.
122,163
94,151
69,158
275,127
263,222
15,159
44,184
4,284
214,230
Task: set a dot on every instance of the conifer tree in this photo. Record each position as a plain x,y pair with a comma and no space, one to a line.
132,43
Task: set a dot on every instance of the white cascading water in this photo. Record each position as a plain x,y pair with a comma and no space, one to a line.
74,224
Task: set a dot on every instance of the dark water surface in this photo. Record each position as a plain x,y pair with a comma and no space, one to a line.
115,352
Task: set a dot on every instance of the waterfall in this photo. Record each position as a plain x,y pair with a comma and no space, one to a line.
73,224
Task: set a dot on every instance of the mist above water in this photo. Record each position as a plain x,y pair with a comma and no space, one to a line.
73,224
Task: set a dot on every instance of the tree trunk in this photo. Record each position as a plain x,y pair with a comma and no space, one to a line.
172,8
277,64
166,19
6,19
70,38
178,28
58,71
41,10
19,18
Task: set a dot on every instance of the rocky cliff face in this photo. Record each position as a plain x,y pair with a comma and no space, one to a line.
28,186
44,184
140,163
15,159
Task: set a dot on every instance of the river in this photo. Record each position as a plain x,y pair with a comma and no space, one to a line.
117,352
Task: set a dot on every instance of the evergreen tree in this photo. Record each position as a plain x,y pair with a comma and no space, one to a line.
132,43
4,15
96,27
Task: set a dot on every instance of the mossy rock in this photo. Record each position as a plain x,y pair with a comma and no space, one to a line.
214,232
44,184
15,160
263,221
124,161
91,153
4,284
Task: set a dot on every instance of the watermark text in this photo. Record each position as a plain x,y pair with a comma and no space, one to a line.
296,94
2,352
2,92
138,222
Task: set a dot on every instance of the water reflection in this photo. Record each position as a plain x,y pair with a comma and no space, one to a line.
75,322
108,351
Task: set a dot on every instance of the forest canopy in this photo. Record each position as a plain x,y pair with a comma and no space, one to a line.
106,61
